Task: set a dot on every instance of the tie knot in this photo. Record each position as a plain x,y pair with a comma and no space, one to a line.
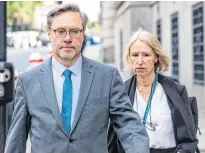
67,73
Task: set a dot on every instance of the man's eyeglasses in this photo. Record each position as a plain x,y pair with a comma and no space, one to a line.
61,33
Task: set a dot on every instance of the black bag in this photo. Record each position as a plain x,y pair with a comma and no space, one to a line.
194,109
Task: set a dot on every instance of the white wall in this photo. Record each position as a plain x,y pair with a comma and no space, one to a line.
123,23
129,17
184,9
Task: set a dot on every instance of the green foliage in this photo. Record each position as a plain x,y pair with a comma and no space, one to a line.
25,9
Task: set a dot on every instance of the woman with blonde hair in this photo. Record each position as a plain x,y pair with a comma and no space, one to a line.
160,101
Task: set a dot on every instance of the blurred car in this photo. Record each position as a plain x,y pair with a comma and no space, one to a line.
9,37
92,40
43,38
34,60
20,39
50,50
32,38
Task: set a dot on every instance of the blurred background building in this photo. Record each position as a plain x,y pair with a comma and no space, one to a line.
118,20
27,20
178,25
180,28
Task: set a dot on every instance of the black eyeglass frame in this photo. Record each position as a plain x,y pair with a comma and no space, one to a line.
70,32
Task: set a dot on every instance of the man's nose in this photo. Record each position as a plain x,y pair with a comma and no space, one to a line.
67,37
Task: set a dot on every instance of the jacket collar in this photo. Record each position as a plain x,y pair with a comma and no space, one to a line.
130,85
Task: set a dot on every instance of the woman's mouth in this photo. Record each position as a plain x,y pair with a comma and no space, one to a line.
140,68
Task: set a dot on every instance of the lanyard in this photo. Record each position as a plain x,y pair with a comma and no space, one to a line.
150,97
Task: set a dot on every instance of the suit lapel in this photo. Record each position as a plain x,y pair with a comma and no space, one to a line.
174,98
133,90
86,81
171,92
46,80
166,84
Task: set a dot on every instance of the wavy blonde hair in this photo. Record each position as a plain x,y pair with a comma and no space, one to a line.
151,41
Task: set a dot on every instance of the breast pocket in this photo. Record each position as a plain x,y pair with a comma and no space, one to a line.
162,117
163,121
94,100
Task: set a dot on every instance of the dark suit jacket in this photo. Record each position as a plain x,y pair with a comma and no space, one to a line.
194,109
185,132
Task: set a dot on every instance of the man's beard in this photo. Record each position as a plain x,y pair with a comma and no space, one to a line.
67,58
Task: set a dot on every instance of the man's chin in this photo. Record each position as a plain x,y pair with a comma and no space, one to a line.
67,58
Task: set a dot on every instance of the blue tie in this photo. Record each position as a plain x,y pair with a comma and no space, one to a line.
67,100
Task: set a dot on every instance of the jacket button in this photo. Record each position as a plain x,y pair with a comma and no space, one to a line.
72,140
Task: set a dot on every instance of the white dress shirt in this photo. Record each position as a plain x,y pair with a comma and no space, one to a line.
58,79
163,137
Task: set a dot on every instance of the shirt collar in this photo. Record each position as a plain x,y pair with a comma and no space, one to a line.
75,68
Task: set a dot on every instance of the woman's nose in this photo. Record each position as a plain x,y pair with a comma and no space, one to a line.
139,60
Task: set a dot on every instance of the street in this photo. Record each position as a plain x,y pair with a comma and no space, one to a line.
19,57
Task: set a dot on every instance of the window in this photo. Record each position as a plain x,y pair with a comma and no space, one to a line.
159,32
121,50
198,46
175,45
